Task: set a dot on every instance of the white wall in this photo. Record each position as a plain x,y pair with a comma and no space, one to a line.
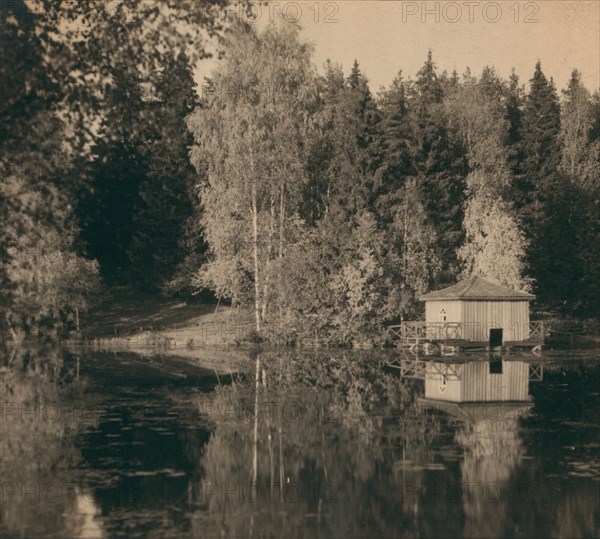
479,317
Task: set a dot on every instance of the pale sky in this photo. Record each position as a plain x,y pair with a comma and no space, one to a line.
386,36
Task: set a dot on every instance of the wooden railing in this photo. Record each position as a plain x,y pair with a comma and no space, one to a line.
419,368
536,372
411,332
536,330
418,331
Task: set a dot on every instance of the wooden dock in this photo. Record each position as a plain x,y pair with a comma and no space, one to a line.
450,337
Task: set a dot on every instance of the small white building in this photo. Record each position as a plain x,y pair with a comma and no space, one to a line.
481,311
478,381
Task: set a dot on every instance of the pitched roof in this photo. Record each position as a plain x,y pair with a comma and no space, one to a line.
476,288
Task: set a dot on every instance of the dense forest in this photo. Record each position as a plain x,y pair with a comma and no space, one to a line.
289,190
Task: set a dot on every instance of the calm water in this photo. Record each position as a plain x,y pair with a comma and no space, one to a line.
316,445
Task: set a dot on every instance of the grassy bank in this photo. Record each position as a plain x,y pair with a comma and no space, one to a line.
127,319
134,319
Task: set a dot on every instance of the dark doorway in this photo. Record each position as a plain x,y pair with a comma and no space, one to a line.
495,366
495,338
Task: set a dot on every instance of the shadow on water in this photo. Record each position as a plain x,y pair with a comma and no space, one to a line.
298,444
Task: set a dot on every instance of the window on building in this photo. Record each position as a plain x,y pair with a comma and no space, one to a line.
443,315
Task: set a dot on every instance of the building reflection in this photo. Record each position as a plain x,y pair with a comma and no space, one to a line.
485,399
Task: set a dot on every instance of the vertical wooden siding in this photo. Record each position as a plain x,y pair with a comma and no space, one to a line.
476,384
481,316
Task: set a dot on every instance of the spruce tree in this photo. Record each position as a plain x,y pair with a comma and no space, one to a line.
513,114
107,205
441,169
166,190
349,123
397,140
540,146
408,236
355,122
580,163
545,198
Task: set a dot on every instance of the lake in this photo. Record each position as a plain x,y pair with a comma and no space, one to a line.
299,444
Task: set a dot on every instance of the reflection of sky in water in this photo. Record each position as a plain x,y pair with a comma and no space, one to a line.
339,447
89,527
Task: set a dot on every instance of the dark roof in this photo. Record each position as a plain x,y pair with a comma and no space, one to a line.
476,288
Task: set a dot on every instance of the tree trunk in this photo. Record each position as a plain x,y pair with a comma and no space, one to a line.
256,274
265,297
257,300
281,220
281,465
15,337
255,444
281,235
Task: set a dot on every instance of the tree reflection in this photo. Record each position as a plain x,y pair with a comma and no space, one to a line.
331,456
506,486
302,444
492,452
42,413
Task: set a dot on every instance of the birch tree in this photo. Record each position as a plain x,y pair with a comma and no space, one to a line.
495,246
249,140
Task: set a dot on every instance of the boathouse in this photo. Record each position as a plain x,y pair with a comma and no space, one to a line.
478,381
475,311
490,379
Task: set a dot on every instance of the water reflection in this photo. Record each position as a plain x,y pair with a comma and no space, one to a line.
489,434
83,521
298,444
41,418
297,450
